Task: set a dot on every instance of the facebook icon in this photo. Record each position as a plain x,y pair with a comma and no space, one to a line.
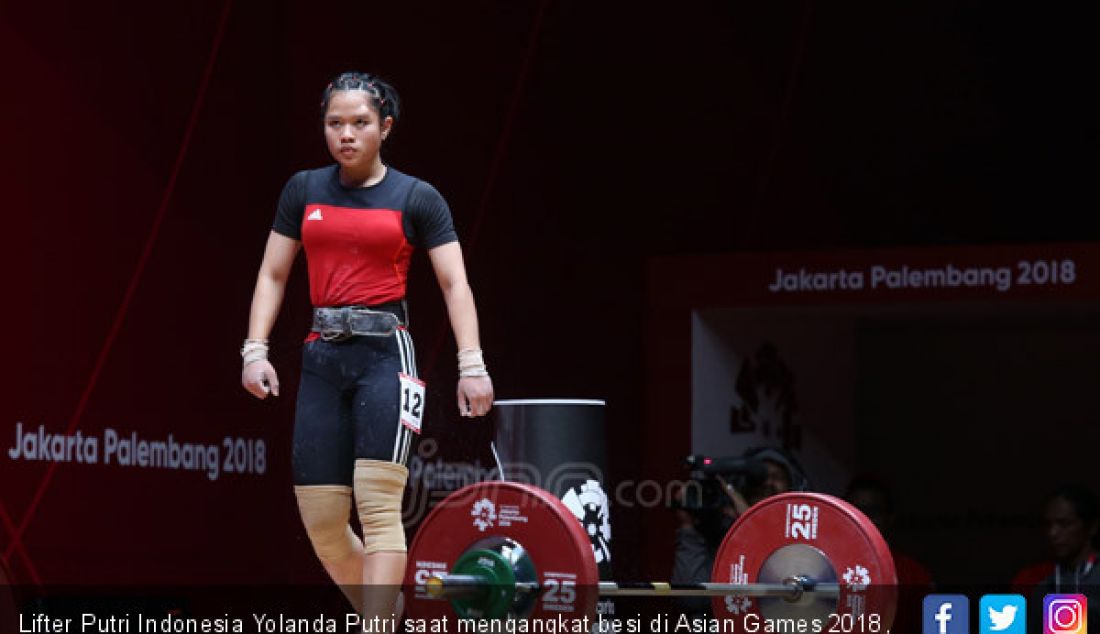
946,614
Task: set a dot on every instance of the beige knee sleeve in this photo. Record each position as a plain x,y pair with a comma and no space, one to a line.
325,511
379,486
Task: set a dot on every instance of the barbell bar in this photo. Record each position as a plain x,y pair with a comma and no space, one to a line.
792,589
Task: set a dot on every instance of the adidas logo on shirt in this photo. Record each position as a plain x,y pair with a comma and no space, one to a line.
316,215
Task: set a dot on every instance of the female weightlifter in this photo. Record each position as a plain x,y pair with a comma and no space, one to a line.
359,403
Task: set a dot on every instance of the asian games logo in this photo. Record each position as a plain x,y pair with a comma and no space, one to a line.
484,513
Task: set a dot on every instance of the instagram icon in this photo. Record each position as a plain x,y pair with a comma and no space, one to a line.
1065,614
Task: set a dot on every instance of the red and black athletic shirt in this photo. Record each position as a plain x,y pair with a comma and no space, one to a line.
358,240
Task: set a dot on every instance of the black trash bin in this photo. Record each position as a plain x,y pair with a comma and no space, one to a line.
559,445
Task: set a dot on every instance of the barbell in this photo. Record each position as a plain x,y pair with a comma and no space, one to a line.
512,550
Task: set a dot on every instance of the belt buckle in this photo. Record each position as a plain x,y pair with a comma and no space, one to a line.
344,331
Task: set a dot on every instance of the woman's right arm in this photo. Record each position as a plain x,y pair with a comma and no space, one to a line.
258,376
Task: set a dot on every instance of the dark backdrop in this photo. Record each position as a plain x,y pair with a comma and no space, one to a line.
144,146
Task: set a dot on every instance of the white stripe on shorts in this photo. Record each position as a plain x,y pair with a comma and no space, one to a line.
403,441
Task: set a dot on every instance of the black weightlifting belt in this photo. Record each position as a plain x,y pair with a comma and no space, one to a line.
337,323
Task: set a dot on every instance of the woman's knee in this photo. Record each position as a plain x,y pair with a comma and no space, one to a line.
325,510
379,487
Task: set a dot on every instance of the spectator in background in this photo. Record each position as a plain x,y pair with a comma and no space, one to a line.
783,474
707,515
873,497
1071,519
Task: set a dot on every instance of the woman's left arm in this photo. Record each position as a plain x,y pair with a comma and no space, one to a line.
475,393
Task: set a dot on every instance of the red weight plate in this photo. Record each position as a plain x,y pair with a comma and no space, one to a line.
817,536
555,541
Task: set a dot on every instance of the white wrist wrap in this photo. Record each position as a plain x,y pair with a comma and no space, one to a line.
471,362
254,350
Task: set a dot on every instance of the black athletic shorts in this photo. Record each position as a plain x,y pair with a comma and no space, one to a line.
349,406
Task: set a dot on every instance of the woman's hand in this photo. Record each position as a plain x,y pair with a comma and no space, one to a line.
259,378
475,395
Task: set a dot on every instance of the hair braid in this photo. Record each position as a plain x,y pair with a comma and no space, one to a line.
383,97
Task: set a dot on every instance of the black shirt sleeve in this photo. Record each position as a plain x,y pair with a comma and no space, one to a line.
292,204
428,222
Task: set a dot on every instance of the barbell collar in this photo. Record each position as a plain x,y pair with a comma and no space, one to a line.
452,586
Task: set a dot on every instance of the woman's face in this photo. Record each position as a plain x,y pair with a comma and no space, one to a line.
353,129
1066,531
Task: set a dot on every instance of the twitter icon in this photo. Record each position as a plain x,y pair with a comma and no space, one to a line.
1002,613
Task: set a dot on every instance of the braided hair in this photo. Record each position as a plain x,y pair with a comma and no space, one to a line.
383,97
